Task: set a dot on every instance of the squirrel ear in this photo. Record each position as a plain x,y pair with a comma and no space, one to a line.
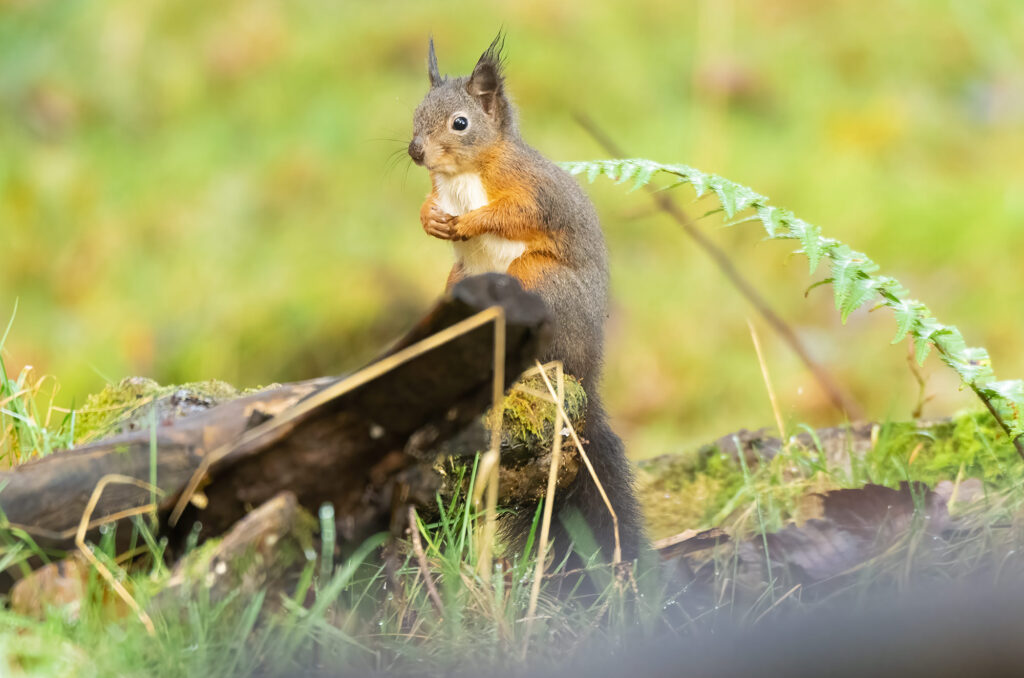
435,75
487,81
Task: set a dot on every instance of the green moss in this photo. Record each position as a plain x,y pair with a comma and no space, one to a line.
972,442
129,405
102,410
528,421
687,492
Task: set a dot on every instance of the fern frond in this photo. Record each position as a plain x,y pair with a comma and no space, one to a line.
852,277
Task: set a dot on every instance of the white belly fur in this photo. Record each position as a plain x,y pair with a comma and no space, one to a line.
486,253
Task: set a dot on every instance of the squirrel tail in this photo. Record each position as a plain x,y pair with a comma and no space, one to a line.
607,454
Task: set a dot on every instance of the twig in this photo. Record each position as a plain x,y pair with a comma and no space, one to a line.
840,400
922,383
421,558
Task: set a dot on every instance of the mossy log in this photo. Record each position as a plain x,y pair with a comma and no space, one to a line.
361,447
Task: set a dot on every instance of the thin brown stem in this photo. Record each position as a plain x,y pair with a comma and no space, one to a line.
922,383
836,394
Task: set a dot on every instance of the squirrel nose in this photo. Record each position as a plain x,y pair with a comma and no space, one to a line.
416,150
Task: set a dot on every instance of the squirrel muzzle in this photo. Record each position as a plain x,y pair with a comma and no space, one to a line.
416,150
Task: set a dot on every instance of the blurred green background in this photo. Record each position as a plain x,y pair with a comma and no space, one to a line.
192,190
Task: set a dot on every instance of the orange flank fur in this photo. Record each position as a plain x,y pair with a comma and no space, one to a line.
533,267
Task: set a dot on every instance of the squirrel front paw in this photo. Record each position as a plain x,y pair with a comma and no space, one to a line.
438,223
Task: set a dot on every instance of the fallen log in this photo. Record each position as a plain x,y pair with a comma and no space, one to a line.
359,442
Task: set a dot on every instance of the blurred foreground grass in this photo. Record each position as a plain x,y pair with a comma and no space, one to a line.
192,191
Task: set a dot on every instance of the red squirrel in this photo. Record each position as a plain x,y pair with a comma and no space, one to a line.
506,208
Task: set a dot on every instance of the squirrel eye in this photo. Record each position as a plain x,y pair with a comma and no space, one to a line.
460,123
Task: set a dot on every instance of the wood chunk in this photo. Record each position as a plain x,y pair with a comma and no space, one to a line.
262,549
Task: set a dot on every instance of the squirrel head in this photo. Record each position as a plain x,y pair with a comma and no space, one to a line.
461,119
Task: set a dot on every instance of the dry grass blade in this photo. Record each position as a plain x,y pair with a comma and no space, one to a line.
532,392
23,424
363,376
36,531
491,460
83,527
549,501
778,602
767,382
617,553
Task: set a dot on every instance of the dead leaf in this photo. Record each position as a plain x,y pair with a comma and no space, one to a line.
857,525
60,584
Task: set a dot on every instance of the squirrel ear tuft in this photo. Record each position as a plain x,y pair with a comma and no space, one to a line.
487,81
435,75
